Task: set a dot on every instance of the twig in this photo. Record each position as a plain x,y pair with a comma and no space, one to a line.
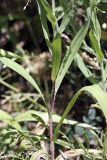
52,148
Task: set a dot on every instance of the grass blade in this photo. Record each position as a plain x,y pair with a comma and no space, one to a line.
75,45
49,13
56,56
96,92
4,53
96,46
20,70
44,24
87,73
33,115
65,20
5,117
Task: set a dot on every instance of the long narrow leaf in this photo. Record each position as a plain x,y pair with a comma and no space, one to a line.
4,53
20,70
75,45
44,24
48,12
87,73
5,117
96,92
65,20
96,46
56,56
33,115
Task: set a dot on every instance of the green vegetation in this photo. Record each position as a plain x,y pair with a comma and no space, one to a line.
74,48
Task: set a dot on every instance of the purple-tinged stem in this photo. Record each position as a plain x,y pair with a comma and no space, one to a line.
52,147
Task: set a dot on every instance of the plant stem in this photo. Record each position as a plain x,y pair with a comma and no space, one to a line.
52,103
53,7
51,137
52,147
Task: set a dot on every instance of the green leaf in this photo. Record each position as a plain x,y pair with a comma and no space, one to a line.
95,33
96,92
98,30
44,24
38,118
99,141
65,4
43,117
29,116
4,53
65,20
96,46
20,70
48,12
95,24
81,145
87,73
74,46
5,117
56,55
63,143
